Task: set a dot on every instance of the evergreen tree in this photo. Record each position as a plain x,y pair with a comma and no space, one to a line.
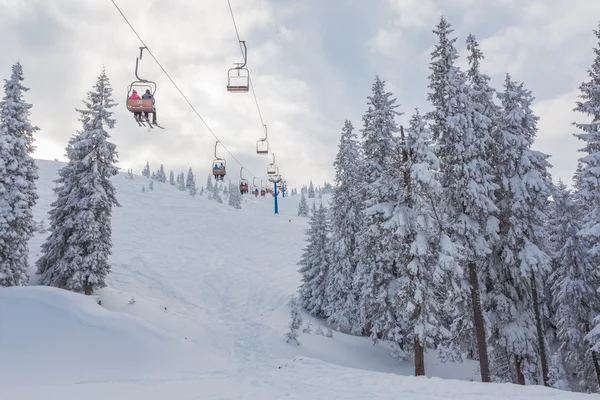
428,252
75,255
377,271
190,183
160,174
303,209
181,184
311,191
172,178
151,185
235,197
18,173
346,222
525,190
467,179
146,170
216,194
315,264
575,281
588,184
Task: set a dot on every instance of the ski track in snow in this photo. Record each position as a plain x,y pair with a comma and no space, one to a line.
219,279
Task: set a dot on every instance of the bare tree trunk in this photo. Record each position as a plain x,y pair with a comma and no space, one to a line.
594,358
87,287
484,364
519,370
540,332
419,358
596,366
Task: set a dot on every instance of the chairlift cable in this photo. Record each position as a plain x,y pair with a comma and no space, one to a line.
177,87
242,50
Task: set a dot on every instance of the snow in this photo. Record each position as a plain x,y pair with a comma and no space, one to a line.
211,286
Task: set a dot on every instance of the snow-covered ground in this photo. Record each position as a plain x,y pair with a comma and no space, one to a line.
196,308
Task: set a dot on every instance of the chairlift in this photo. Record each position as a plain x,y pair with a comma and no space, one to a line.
255,190
238,78
275,177
219,166
262,146
271,168
243,183
138,105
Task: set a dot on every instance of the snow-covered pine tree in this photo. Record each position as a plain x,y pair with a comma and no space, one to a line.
146,170
209,187
428,252
18,173
346,223
216,193
235,197
467,179
303,210
588,184
315,264
311,191
75,255
151,185
377,271
295,321
130,174
574,293
172,178
161,176
190,183
181,184
526,186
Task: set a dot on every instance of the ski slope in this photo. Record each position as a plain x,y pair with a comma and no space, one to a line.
196,308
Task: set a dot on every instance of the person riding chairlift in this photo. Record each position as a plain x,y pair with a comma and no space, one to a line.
148,95
135,96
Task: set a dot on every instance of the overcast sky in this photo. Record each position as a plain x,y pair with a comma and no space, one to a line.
312,62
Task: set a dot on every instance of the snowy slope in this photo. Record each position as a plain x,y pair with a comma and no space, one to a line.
211,286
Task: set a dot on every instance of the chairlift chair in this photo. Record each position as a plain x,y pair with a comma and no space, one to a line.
271,168
262,146
243,183
139,106
219,165
238,78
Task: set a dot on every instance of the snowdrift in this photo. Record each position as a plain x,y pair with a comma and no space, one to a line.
56,336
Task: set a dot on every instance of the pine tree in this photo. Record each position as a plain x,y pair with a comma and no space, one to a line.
181,180
151,185
190,183
216,194
428,252
467,179
75,255
311,191
379,246
18,173
295,321
172,178
587,178
525,190
146,170
235,197
315,264
346,223
574,293
303,210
